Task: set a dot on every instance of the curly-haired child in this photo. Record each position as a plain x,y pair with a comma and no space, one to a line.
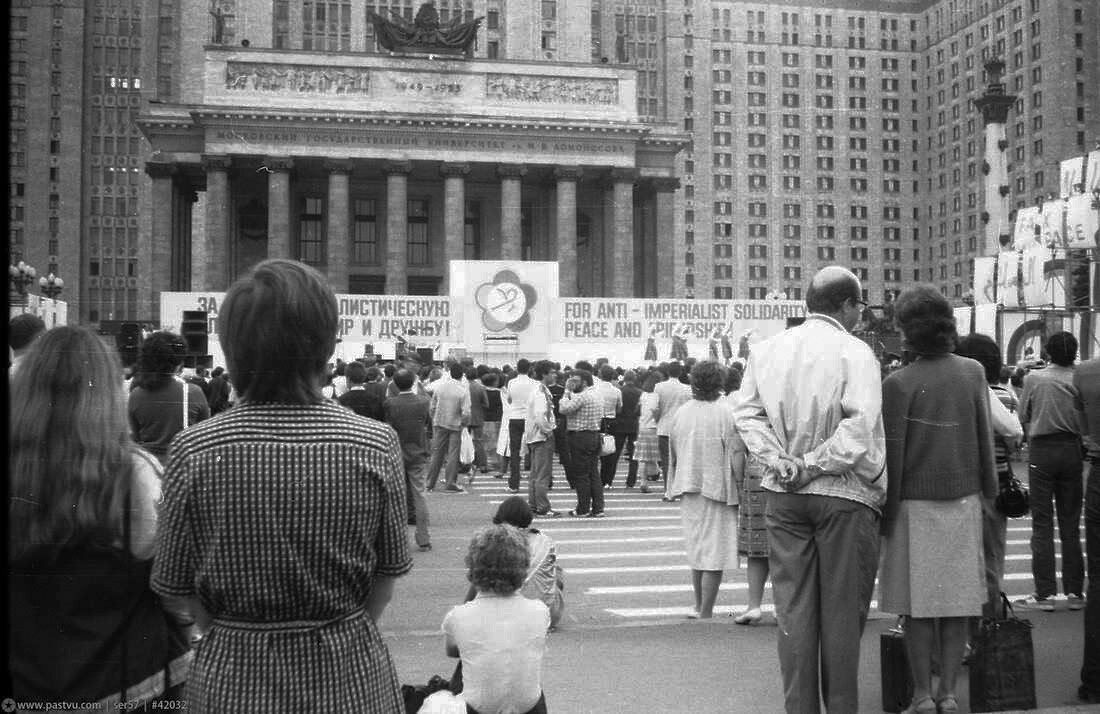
500,635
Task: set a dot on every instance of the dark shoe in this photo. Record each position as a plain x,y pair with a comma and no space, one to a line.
574,514
548,514
453,488
425,548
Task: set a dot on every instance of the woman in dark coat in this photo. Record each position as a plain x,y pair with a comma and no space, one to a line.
939,460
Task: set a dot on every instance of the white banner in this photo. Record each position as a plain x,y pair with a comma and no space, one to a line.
505,304
1092,172
1053,224
1036,292
1082,221
985,287
1072,173
1008,281
635,320
1024,234
363,318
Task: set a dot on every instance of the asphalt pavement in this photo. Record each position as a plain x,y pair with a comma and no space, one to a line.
625,645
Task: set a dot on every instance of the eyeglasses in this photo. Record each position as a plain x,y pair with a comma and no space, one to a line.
862,302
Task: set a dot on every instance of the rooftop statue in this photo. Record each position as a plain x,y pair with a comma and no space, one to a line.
425,33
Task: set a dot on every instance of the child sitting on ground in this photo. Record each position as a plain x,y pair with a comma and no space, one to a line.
500,635
544,580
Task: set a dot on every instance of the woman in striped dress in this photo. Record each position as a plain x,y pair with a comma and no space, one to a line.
283,523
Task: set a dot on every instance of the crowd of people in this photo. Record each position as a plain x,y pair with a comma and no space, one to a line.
237,538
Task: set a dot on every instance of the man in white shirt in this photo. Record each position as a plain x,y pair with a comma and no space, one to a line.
539,435
612,398
519,389
810,407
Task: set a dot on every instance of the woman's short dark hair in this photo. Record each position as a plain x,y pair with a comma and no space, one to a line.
708,379
490,380
497,558
926,319
514,511
652,380
983,350
608,373
161,355
277,328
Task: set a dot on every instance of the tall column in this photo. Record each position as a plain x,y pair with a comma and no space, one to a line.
511,211
454,217
278,207
665,240
621,234
339,213
397,226
159,252
566,239
209,264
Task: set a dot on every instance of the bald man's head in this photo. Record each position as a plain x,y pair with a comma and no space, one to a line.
830,290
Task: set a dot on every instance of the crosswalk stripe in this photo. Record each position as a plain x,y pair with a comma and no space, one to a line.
626,569
593,527
630,554
602,541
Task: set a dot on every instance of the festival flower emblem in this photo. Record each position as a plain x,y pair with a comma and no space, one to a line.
506,302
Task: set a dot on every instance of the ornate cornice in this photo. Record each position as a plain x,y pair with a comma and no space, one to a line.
568,173
339,166
279,163
621,175
420,122
511,171
403,168
450,170
216,162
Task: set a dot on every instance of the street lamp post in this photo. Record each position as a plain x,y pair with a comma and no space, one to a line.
51,286
20,276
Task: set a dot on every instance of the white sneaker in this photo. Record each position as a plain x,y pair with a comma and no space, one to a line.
1076,602
1034,602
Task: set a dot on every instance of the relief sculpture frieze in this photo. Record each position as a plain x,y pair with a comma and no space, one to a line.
296,79
552,90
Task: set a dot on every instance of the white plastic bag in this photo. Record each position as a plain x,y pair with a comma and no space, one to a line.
466,448
443,702
607,444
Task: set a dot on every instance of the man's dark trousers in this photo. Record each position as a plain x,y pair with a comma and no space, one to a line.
515,451
1055,472
584,460
1090,667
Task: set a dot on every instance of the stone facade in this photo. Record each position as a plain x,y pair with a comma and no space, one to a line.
379,170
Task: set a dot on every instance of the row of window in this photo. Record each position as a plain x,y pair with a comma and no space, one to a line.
759,251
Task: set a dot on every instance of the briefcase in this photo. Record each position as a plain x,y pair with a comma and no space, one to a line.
897,680
1002,664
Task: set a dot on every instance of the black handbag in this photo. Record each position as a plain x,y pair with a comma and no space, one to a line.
897,680
1002,663
1013,499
